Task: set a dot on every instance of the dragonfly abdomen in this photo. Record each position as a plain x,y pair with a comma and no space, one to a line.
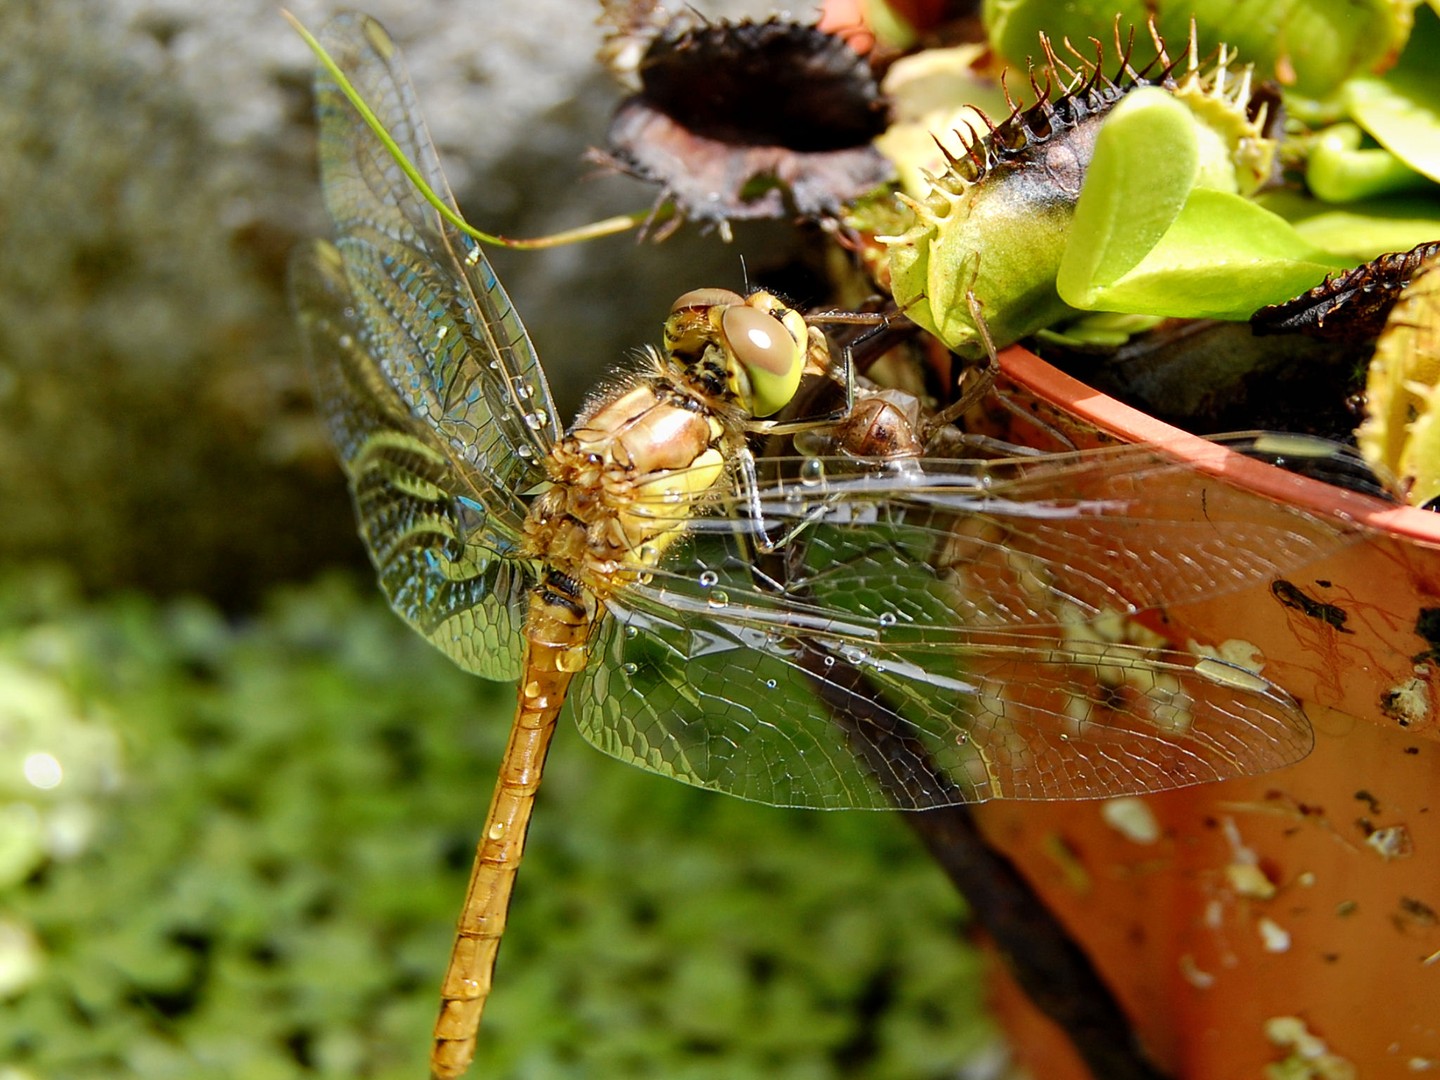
557,628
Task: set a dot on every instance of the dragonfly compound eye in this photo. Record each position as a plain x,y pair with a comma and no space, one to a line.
769,356
706,298
692,330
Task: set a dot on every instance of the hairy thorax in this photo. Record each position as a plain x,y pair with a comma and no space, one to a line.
627,480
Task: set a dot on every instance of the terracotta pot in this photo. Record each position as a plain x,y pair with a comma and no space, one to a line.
1292,917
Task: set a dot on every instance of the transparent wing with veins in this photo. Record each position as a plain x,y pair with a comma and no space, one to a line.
974,613
970,616
428,379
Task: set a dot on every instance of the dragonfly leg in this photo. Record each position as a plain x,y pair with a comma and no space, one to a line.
985,379
982,386
750,488
846,378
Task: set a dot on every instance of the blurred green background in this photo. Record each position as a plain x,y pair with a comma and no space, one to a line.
253,859
238,798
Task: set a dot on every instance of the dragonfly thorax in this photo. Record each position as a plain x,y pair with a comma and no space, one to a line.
635,468
643,459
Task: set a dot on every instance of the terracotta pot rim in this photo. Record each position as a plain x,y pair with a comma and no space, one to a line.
1131,425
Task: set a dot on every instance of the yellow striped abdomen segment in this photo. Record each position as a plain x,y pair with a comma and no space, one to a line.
556,629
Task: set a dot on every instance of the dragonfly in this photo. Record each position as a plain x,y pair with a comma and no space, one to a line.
861,623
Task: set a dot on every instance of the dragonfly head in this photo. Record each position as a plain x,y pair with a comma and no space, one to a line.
750,350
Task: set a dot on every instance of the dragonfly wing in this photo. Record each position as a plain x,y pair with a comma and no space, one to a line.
1040,542
424,371
684,698
959,633
840,722
441,560
442,326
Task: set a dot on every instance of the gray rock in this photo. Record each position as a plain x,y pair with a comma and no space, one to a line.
155,427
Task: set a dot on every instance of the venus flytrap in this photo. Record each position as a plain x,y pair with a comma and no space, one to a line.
1370,152
1308,47
1400,437
1128,195
1339,168
1156,232
1398,108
